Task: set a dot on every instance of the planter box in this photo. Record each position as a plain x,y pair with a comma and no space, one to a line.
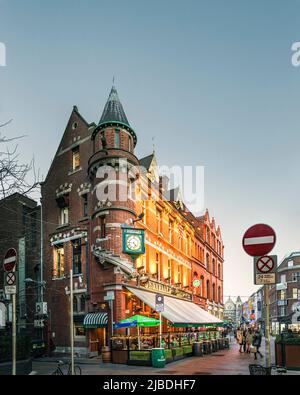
119,356
187,350
168,355
140,358
177,353
291,357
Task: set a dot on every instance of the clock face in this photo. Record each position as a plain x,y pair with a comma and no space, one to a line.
133,242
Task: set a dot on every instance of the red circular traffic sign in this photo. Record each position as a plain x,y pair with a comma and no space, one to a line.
10,259
259,240
265,264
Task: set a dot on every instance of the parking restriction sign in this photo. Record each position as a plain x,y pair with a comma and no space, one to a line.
265,269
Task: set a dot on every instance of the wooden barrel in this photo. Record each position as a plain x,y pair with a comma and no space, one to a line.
106,354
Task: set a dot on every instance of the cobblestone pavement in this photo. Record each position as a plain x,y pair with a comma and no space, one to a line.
223,362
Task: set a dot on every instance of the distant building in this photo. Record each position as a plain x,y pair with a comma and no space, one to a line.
229,310
238,310
20,229
233,311
285,295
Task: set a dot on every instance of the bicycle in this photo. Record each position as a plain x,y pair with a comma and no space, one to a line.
58,371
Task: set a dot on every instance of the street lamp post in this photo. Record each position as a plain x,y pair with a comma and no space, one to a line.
71,322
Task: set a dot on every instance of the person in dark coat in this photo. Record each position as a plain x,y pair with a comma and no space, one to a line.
256,342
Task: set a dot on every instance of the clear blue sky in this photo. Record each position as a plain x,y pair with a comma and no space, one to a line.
212,81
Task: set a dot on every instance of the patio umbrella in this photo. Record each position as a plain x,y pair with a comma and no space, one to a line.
137,321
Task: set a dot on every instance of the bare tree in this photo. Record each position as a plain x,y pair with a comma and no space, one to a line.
14,175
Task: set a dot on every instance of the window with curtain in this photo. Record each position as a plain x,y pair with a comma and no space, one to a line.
75,158
77,265
207,289
171,227
85,205
59,262
64,216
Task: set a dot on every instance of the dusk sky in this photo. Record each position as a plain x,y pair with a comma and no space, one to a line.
211,81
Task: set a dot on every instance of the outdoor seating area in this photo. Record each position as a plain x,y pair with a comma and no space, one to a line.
138,350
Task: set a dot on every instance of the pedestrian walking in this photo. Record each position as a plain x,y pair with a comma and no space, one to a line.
244,339
239,338
249,340
256,343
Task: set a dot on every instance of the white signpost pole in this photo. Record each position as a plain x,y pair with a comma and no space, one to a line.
71,322
258,241
160,331
267,328
14,335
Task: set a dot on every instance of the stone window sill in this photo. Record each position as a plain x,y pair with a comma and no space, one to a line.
74,171
58,278
63,226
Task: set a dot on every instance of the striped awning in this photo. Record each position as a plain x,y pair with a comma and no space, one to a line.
95,320
180,312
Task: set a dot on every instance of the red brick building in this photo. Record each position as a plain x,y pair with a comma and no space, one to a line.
83,230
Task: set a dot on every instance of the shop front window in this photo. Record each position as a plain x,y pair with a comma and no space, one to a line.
79,330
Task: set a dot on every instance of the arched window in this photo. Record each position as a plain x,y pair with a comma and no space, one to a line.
202,287
219,270
214,266
214,292
219,295
207,261
207,289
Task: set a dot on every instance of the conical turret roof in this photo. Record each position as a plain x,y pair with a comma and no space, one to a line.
113,110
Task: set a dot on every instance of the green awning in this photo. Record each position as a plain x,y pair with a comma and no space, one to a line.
95,320
140,320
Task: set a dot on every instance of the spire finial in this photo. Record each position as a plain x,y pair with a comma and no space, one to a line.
113,81
153,144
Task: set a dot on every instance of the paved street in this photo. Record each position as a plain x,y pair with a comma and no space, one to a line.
223,362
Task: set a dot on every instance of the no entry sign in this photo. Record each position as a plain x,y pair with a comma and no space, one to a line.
259,240
10,259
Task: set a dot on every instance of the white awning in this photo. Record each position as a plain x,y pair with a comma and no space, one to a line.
176,310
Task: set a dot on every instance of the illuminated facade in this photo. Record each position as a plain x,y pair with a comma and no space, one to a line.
183,255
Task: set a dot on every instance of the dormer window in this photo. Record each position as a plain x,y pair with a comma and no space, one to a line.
76,158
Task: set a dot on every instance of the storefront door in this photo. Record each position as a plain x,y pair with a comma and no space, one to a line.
97,339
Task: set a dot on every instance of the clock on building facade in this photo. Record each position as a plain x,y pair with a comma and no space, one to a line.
133,241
